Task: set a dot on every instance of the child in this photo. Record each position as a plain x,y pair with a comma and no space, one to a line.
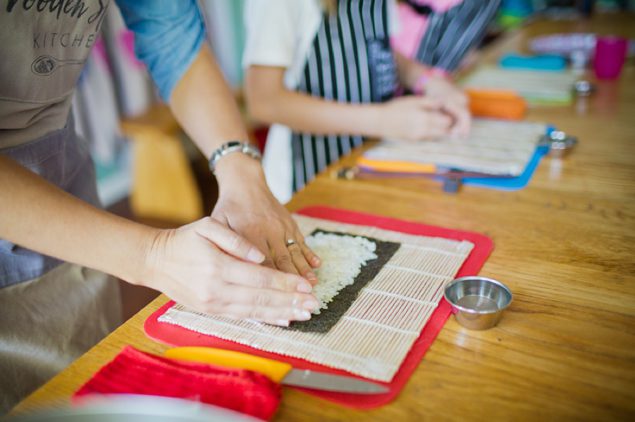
326,74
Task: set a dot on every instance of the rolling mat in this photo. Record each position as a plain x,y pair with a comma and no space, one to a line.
386,331
494,147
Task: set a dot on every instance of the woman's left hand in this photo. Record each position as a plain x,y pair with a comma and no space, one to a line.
247,206
454,102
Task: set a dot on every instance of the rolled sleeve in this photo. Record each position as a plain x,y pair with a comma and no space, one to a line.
168,37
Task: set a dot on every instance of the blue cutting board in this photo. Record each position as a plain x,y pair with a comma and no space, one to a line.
512,183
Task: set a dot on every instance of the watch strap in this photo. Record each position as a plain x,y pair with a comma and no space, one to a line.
231,147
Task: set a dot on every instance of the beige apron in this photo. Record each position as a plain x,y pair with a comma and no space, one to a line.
50,321
50,312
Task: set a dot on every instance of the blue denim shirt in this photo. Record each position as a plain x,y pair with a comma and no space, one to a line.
168,36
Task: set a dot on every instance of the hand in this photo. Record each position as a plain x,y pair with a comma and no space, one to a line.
414,118
211,269
246,205
440,87
454,103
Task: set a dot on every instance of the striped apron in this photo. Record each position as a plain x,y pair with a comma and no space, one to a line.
350,61
450,35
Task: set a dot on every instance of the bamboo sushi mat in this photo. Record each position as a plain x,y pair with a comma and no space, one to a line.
494,147
376,333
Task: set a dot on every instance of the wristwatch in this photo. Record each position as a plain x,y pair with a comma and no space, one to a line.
233,146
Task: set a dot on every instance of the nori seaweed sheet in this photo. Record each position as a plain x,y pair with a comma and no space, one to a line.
327,318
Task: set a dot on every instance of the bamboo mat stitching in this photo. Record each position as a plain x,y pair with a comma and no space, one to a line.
376,333
493,147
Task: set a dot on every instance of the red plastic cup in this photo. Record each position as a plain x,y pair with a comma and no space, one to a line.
610,54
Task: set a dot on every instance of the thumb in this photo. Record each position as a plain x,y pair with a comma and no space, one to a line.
228,240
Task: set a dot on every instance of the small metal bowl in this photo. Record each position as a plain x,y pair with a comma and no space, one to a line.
558,142
583,88
477,302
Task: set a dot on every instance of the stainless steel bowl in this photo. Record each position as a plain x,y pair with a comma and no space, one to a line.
477,302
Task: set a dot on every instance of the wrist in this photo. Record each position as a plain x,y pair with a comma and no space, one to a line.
140,262
238,168
377,120
423,80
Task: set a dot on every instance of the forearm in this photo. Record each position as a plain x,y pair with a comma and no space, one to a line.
305,113
40,216
205,106
409,70
206,109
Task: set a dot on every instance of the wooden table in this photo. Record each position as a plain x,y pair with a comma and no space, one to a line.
566,247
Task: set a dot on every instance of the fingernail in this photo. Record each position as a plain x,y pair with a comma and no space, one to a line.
301,315
304,288
315,261
310,305
254,255
282,322
311,276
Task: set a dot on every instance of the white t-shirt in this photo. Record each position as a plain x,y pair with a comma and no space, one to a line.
280,33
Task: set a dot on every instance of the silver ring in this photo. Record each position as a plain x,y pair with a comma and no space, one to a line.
290,242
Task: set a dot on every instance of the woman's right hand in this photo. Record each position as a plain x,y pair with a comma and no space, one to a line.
209,268
414,118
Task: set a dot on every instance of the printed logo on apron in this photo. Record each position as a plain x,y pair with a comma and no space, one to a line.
42,37
383,70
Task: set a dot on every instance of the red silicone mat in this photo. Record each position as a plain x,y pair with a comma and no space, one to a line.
178,336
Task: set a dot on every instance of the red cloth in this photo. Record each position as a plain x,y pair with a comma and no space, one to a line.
136,372
178,336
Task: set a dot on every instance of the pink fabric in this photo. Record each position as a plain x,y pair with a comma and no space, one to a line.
412,27
126,42
99,52
439,5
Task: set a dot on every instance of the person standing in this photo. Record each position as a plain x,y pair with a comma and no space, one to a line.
247,260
